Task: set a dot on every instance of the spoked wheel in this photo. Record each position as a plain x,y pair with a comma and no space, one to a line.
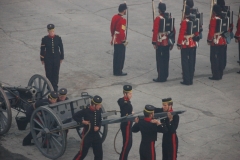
41,84
103,130
5,113
47,134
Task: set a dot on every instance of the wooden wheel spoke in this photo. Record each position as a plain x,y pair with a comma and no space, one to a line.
57,141
38,129
4,118
39,84
36,121
44,87
46,93
55,146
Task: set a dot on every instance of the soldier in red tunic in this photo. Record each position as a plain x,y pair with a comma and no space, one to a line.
118,28
187,46
237,37
160,41
217,45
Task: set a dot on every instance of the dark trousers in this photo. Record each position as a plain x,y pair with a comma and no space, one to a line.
52,72
126,129
169,147
28,138
194,58
217,61
118,58
188,64
95,141
162,58
239,51
225,57
147,150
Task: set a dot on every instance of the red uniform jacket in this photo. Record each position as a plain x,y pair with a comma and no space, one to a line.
237,34
117,28
183,40
215,38
164,37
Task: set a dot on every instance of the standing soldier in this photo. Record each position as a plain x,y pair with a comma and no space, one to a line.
237,36
187,46
52,98
163,41
118,28
91,118
52,55
226,9
126,109
198,35
149,128
169,139
217,44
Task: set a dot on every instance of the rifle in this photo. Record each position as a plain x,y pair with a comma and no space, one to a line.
184,8
127,23
213,2
239,13
153,9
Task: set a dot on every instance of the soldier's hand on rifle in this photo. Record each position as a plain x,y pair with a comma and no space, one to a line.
42,62
154,46
125,43
61,61
96,128
170,116
111,42
157,122
136,120
236,40
85,122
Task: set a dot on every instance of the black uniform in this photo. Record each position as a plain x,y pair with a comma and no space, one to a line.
51,53
92,138
29,112
125,109
149,136
169,139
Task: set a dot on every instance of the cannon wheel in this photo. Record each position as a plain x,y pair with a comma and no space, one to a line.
51,141
103,131
42,84
5,113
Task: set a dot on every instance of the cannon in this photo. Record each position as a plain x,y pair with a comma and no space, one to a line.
49,123
20,98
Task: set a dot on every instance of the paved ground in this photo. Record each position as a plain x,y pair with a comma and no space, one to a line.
208,130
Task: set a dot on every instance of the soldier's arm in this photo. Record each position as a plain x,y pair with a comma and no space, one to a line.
112,27
61,48
211,31
78,116
155,30
42,50
173,125
135,128
162,128
182,31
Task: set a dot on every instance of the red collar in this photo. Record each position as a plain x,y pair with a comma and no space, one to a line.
147,119
92,108
125,98
51,36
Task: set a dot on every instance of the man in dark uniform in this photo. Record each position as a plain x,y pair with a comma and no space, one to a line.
126,109
169,139
217,45
221,3
52,55
187,46
90,117
118,28
160,41
62,95
149,128
237,37
52,98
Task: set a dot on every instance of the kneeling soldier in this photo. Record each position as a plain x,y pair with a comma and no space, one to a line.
52,98
126,109
148,128
90,117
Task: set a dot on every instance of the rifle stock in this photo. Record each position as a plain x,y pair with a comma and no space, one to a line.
183,10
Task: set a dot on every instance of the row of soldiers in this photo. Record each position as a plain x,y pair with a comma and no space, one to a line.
190,33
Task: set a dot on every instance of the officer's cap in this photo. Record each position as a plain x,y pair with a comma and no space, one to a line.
149,108
217,9
97,99
221,2
50,26
190,3
166,100
53,95
122,7
62,91
162,7
127,88
187,10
